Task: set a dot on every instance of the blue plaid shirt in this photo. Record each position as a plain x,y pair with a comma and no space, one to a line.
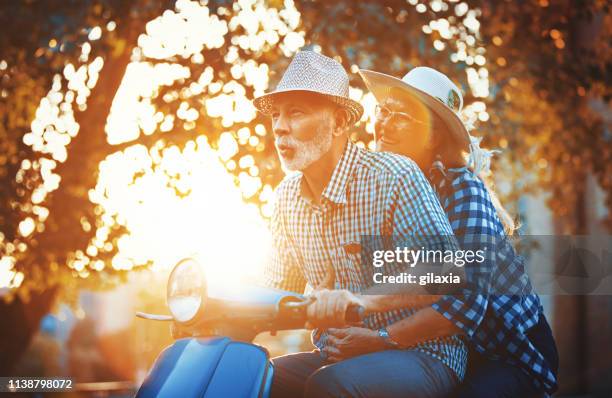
496,324
369,193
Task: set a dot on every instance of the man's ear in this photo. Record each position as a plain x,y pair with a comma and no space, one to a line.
341,118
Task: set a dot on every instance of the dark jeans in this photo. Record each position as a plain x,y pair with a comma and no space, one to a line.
487,378
392,373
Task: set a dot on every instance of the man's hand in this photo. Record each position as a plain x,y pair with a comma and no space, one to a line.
352,341
329,308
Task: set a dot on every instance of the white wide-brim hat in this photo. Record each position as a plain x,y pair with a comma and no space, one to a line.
432,88
311,72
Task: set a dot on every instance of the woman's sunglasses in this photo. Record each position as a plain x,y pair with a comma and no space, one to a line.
383,113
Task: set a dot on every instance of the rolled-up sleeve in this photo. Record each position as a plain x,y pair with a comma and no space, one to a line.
477,228
465,309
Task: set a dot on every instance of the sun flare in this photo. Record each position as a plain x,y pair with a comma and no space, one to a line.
210,221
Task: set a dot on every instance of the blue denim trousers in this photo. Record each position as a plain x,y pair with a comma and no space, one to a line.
391,373
487,378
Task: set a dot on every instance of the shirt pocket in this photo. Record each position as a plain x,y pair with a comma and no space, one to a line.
352,272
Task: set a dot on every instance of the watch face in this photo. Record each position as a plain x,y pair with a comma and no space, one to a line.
382,332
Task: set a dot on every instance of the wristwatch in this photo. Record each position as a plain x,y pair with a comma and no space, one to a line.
382,332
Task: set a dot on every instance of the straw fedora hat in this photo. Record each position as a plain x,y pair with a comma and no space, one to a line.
432,88
314,73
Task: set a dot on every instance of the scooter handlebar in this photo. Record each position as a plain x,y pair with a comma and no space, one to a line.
354,313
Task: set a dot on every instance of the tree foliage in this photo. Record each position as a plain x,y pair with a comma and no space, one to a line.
34,73
552,67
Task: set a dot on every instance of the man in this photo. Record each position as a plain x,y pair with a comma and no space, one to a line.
341,193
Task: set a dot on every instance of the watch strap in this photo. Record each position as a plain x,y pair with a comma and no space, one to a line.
384,333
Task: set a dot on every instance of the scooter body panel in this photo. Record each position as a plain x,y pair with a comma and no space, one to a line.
209,368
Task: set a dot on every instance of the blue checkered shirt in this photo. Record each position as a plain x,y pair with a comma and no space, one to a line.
496,324
369,193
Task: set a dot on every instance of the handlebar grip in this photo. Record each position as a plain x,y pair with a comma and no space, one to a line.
355,313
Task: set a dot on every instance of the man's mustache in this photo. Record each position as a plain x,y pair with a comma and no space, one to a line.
286,142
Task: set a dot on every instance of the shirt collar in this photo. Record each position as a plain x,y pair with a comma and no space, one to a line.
439,174
335,191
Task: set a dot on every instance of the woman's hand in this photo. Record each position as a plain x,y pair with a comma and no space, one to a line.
329,308
352,341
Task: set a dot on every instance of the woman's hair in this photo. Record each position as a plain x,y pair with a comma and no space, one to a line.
505,218
449,148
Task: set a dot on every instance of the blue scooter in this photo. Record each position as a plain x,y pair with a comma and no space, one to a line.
213,355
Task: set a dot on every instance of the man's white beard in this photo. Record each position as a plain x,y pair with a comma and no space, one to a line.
306,152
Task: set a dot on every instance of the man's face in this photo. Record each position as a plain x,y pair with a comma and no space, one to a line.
302,124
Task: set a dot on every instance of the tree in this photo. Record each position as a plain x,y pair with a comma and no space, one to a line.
552,67
30,63
47,219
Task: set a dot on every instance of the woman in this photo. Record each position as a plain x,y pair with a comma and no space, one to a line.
512,353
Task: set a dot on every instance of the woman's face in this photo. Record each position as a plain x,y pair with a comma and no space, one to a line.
404,127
